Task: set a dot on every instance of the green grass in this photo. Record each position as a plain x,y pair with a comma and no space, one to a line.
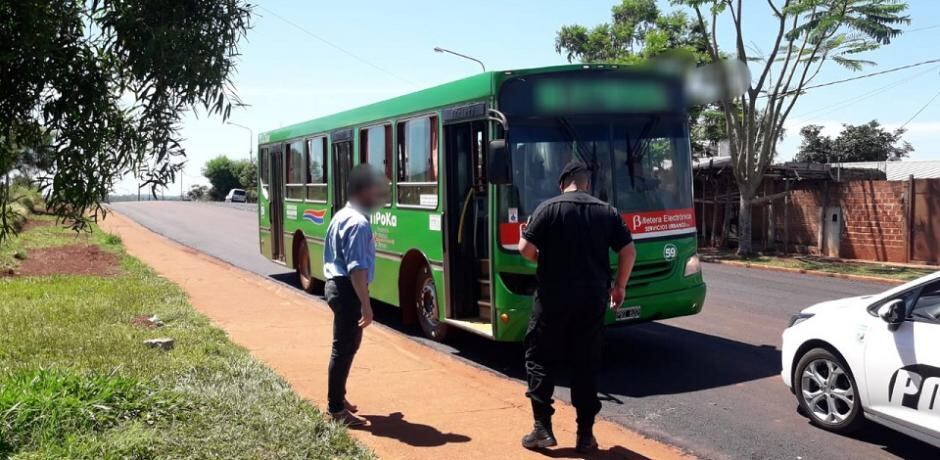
76,380
831,266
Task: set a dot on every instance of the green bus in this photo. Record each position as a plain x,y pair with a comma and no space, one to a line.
467,163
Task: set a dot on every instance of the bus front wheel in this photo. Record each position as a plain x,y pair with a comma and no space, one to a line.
428,306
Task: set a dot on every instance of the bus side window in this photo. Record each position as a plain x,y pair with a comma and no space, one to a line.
418,162
264,167
295,170
316,170
375,148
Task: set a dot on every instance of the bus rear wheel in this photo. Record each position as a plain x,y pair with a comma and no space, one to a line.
428,307
302,265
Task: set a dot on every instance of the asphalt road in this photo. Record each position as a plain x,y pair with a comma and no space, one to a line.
707,383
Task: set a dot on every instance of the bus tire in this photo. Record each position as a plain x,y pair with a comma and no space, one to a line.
427,306
302,266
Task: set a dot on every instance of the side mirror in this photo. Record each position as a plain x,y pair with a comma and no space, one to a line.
498,163
893,313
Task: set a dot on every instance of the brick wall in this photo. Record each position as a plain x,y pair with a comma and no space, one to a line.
872,218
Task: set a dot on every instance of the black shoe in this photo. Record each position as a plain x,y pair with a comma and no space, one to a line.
585,444
540,437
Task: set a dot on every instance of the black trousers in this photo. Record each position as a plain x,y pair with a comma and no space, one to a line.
347,336
565,327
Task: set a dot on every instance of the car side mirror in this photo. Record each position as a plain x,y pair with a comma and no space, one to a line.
498,163
893,313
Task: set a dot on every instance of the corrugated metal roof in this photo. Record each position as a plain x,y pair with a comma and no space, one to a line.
899,170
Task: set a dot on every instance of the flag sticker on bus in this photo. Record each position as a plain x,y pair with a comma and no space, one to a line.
315,216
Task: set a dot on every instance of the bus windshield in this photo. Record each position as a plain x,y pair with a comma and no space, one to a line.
640,163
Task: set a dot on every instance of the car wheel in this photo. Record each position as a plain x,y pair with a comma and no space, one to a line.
427,306
827,391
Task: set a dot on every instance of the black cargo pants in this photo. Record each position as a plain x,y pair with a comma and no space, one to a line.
566,326
347,336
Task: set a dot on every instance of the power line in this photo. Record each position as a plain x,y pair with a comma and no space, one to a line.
335,46
873,74
935,26
864,96
921,110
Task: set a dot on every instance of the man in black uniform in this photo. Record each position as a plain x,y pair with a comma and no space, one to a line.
570,237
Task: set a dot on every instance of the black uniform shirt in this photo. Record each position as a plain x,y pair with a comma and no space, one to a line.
574,232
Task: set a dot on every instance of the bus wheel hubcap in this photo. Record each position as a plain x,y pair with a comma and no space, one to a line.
427,302
827,391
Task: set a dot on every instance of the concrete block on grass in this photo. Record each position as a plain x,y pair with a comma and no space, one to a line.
163,343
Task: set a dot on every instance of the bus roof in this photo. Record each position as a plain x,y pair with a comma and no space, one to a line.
472,88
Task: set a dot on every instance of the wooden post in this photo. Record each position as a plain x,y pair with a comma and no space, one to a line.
771,226
786,217
726,224
715,218
704,181
908,223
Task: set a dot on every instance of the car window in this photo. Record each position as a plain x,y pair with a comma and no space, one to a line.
927,306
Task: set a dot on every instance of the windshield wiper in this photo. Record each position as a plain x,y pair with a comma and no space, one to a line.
569,131
636,150
639,147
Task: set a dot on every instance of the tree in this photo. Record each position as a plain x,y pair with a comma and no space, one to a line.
248,175
814,148
808,35
865,142
639,31
225,174
104,84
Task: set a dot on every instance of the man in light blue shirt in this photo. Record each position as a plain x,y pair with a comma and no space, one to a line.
349,267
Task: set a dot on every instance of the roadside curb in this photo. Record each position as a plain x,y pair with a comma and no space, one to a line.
803,271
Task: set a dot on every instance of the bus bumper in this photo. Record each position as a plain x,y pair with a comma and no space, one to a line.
684,302
653,307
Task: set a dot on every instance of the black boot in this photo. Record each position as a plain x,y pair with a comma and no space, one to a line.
585,444
540,437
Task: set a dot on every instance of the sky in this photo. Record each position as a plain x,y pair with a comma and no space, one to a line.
305,59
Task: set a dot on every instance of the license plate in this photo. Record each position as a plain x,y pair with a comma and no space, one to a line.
625,313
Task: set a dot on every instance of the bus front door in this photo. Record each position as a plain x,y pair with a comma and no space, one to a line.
466,224
276,181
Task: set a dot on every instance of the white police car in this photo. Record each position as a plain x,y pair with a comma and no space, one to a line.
874,357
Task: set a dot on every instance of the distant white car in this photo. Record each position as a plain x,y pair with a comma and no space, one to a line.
874,357
236,195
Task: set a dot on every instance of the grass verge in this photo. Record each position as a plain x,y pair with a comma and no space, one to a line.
76,380
818,264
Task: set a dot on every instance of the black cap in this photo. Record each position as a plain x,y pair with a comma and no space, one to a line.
573,167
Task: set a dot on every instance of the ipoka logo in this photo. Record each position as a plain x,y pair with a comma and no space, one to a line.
916,387
315,216
385,219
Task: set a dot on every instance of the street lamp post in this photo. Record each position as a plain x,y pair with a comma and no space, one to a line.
251,139
438,49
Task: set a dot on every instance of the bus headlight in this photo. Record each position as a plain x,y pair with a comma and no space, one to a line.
692,266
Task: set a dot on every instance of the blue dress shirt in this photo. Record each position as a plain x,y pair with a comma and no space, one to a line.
349,244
